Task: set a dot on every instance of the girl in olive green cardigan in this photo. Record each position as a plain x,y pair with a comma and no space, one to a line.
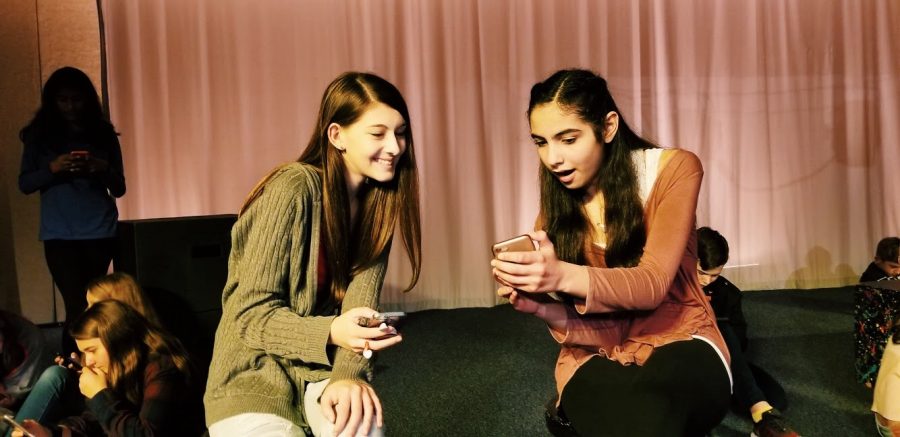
309,253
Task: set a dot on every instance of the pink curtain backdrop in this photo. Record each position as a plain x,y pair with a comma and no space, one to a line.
793,107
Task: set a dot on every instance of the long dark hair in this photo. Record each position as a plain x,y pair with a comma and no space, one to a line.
352,247
130,340
586,94
49,126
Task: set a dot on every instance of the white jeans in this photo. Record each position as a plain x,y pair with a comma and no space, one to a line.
255,424
270,425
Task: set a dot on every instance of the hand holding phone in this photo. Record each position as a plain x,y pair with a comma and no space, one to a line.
522,243
69,362
385,318
77,161
390,318
16,426
82,155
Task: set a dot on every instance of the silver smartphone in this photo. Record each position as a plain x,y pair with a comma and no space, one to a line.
522,243
15,425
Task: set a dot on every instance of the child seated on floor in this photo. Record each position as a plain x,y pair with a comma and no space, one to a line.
134,378
22,357
753,388
886,265
55,394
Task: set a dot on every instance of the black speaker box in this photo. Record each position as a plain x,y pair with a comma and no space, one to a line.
182,265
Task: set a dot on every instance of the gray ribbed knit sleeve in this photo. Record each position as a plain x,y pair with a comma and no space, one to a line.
364,291
260,303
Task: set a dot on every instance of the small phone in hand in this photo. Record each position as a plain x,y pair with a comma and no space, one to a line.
15,425
522,243
70,363
80,155
391,317
387,318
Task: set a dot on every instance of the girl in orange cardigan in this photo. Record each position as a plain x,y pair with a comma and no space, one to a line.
640,351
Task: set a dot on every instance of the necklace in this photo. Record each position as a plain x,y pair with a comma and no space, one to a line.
594,210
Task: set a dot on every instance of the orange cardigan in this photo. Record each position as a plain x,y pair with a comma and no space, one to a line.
630,311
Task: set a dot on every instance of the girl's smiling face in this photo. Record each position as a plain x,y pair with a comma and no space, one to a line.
371,146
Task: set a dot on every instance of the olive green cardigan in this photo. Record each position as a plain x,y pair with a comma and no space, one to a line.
269,342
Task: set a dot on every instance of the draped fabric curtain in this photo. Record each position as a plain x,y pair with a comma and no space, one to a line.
793,107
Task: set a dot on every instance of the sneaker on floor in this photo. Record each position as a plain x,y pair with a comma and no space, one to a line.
773,424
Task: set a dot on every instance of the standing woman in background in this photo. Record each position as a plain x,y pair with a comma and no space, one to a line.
640,352
72,156
308,258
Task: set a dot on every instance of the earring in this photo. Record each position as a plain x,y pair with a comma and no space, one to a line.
341,149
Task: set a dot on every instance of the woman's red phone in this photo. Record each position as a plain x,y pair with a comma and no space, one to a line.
82,155
15,425
522,243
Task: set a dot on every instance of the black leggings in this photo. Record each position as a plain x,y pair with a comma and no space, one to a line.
74,263
751,384
682,389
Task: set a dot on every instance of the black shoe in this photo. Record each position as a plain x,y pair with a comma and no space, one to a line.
773,424
557,422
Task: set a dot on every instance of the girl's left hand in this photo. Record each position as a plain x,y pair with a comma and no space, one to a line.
539,271
92,381
97,165
352,406
553,313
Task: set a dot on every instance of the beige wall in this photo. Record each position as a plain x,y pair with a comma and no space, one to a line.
36,37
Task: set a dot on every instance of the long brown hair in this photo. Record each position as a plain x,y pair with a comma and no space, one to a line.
351,247
122,287
131,341
586,94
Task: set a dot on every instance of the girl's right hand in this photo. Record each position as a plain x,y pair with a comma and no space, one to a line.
67,163
92,381
348,334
